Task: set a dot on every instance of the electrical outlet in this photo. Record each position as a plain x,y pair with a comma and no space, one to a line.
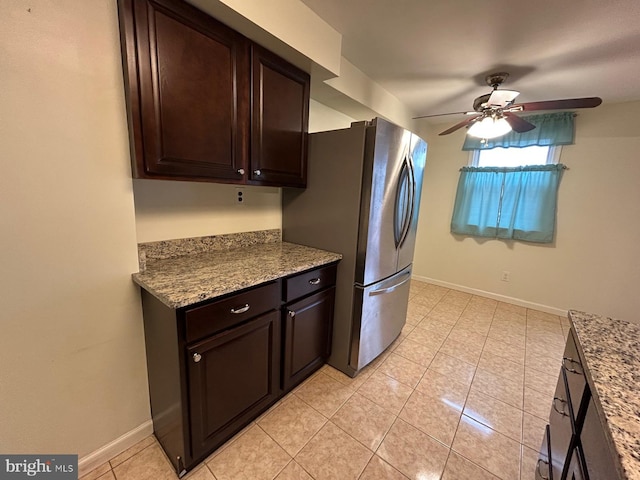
240,196
506,276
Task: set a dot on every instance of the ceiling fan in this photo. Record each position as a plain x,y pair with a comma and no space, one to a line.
494,115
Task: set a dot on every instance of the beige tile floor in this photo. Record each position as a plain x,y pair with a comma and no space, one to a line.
462,394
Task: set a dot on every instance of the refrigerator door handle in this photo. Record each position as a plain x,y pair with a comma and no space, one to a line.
408,194
392,287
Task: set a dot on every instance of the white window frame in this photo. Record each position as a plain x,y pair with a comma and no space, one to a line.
553,156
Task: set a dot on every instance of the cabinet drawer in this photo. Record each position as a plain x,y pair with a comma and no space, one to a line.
576,380
543,466
561,427
309,282
217,316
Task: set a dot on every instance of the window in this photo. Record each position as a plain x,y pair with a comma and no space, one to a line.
515,157
510,189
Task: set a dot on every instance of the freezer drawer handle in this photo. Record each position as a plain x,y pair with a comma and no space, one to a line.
241,309
391,288
314,281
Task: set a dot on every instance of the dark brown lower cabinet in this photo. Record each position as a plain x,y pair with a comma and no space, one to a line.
212,368
232,377
575,445
307,336
561,427
215,366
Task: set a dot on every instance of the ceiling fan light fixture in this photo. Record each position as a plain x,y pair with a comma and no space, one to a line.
489,127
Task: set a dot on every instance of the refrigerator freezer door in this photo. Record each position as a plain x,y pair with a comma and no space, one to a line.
380,312
416,161
387,151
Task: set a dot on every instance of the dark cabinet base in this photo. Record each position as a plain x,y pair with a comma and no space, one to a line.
216,366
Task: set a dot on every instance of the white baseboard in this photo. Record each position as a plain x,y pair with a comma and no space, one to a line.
116,447
494,296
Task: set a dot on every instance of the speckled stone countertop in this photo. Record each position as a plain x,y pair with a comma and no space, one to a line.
188,279
611,349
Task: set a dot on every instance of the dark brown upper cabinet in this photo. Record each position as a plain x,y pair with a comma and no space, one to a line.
280,116
205,104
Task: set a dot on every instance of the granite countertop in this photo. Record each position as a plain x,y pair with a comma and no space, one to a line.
611,349
188,279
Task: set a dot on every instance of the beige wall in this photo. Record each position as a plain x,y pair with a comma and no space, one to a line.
594,264
72,365
168,209
323,118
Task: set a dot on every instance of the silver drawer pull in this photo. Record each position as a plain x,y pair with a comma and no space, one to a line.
292,313
197,357
257,173
569,369
563,402
241,309
241,171
314,281
539,473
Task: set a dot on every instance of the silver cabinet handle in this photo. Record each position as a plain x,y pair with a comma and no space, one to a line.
314,281
241,171
241,309
292,313
538,472
563,402
568,369
257,173
197,357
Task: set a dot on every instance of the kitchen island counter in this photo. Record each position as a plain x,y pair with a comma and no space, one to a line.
611,350
189,279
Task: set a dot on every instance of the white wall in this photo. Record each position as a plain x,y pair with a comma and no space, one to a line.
72,363
594,264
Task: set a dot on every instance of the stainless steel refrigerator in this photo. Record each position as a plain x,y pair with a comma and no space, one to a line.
362,200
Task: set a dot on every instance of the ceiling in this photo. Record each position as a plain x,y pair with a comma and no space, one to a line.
433,55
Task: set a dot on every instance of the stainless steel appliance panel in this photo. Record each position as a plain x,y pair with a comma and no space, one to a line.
380,311
386,154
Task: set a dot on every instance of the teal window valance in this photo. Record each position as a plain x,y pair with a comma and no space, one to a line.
551,129
513,203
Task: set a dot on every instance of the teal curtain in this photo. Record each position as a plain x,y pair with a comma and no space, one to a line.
551,129
518,203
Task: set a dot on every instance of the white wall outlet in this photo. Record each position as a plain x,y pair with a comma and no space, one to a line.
241,196
506,276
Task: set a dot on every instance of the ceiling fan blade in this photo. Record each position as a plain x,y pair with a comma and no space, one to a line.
442,115
459,125
568,103
502,98
518,124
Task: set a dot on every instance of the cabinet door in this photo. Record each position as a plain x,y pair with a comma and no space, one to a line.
598,454
187,92
280,117
576,470
232,377
561,428
307,336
